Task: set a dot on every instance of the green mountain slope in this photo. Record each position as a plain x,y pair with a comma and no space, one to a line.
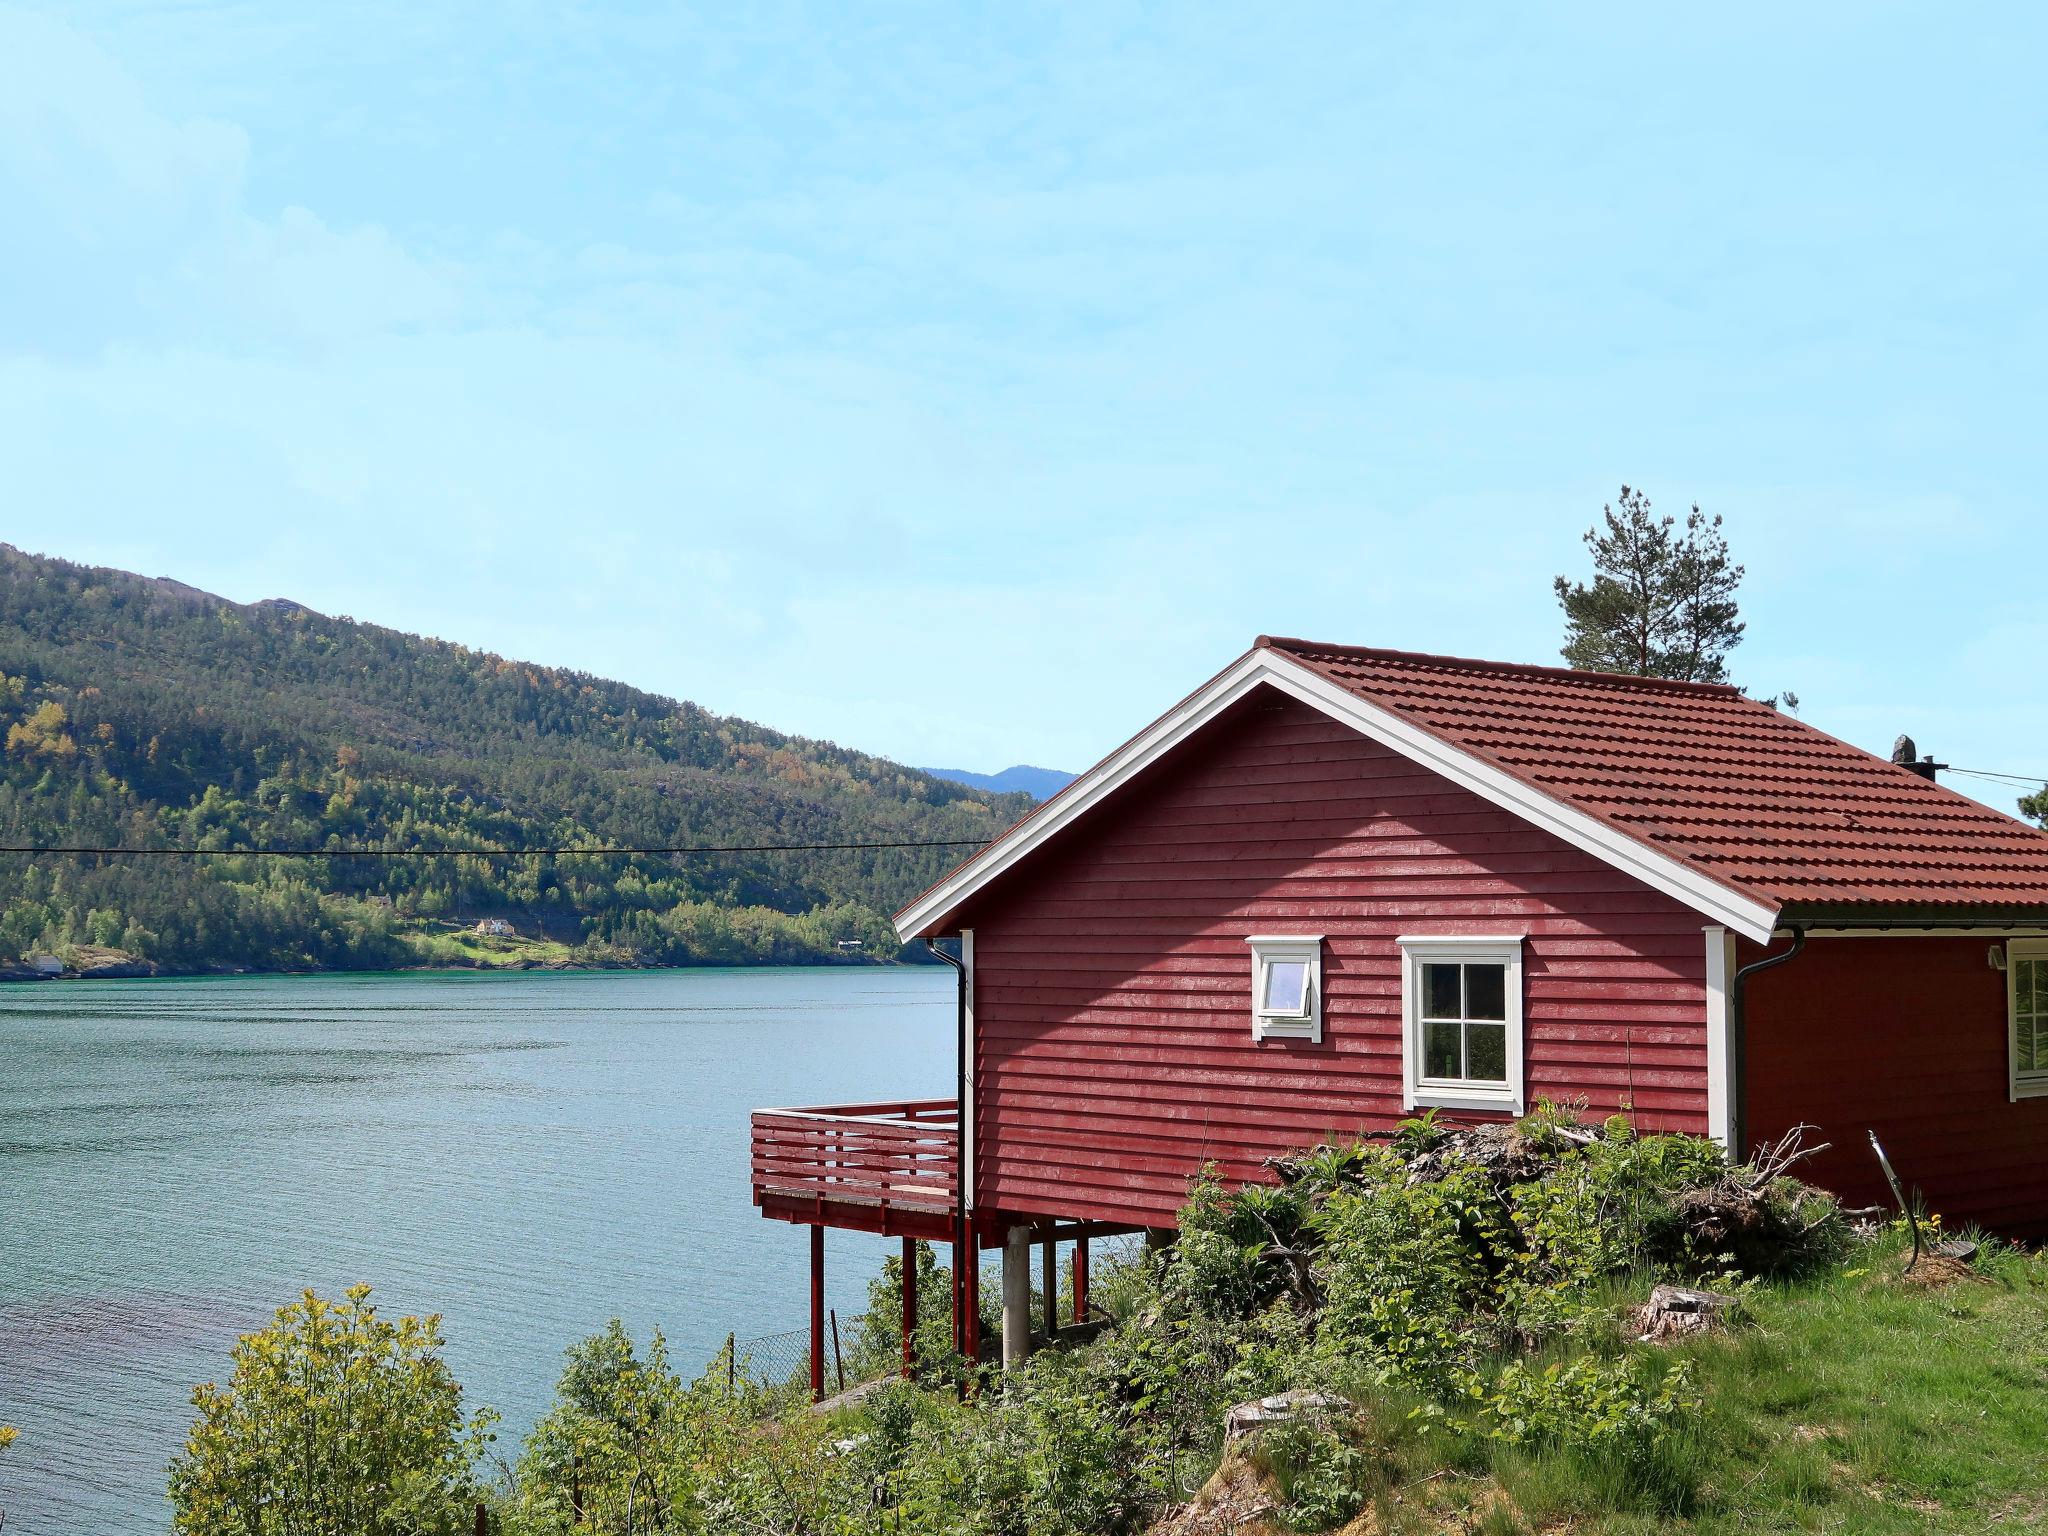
144,713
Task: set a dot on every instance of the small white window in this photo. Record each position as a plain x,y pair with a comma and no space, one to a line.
1461,1022
2026,1014
1287,986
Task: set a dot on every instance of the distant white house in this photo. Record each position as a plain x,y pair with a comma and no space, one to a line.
46,965
496,928
851,944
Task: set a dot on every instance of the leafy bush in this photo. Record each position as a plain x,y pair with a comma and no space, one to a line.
790,1476
1412,1266
335,1420
617,1451
1324,1476
1600,1407
1405,1268
875,1345
1047,1455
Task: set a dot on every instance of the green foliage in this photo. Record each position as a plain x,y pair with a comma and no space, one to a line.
1424,1268
875,1346
139,714
335,1422
1048,1458
2035,806
789,1479
1661,602
1467,1303
1324,1475
1420,1133
1404,1268
1599,1407
615,1452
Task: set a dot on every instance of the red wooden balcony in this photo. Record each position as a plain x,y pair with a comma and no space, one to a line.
892,1168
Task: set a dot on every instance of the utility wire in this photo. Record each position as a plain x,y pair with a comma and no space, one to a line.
2007,778
474,853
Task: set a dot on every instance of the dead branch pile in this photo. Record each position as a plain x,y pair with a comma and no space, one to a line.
1757,1213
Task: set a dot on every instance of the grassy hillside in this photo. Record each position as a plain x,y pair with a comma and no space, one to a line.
144,713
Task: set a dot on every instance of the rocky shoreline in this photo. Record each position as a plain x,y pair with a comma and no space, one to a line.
128,968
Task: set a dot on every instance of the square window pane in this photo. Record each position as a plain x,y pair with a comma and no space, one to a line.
1440,1050
1286,986
2040,1042
1486,992
1486,1048
2036,972
1440,992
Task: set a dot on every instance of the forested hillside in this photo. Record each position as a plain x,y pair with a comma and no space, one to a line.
142,713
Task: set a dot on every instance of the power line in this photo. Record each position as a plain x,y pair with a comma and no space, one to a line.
477,853
2008,778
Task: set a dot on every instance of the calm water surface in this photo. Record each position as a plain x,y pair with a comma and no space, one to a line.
528,1155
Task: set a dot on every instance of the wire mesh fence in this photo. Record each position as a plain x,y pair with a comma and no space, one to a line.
778,1362
773,1359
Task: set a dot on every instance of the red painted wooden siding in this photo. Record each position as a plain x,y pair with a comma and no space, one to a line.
1113,984
1906,1037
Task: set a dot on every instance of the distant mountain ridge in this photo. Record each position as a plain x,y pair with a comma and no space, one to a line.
143,712
1020,778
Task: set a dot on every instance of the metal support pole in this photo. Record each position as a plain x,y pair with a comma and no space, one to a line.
1016,1297
817,1314
1080,1279
909,1307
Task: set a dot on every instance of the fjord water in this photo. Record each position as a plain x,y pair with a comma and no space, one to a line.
526,1154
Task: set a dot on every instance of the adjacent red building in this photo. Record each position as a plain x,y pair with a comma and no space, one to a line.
1336,886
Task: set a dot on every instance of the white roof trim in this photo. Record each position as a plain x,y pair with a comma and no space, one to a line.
1747,916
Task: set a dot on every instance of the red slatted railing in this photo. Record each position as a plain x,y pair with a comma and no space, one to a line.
904,1153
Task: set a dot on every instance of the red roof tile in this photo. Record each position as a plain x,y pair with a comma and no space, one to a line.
1751,797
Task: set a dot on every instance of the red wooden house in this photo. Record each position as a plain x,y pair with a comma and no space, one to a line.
1336,886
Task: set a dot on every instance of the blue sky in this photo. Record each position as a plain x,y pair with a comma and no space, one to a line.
968,383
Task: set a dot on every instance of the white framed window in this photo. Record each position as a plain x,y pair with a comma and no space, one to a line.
2026,1016
1461,1022
1287,986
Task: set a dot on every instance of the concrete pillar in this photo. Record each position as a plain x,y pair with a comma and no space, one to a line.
1016,1296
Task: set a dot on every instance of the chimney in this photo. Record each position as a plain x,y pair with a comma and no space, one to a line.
1903,753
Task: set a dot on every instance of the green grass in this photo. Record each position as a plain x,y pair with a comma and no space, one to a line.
454,944
1852,1403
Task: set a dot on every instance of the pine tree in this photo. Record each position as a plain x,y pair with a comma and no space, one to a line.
2035,806
1662,600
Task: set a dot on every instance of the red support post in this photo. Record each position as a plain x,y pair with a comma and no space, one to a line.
959,1279
1050,1251
1080,1279
909,1307
970,1302
817,1314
